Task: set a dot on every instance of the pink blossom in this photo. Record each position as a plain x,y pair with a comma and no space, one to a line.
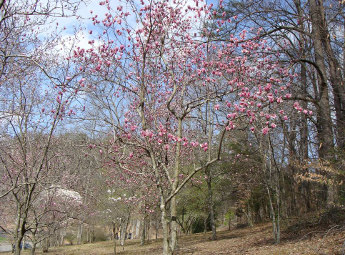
265,130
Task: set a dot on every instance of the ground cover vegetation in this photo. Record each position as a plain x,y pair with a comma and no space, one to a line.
160,119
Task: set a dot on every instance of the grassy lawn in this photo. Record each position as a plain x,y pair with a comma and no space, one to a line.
254,241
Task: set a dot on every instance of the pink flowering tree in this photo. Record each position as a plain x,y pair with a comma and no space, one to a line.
153,71
129,173
36,91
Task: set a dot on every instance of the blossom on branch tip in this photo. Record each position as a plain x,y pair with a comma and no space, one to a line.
265,130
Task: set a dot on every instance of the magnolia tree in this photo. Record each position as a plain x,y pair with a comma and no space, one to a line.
137,188
152,69
51,213
36,91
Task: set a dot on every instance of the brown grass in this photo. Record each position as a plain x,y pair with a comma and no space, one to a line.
256,241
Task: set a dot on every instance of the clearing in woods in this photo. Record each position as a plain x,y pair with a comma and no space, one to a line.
256,241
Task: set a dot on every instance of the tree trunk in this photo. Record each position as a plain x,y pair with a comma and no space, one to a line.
210,203
123,231
275,218
143,231
336,79
173,208
90,234
165,224
157,227
272,184
45,244
19,236
17,249
33,249
249,215
80,233
148,224
114,235
62,237
173,225
205,225
324,123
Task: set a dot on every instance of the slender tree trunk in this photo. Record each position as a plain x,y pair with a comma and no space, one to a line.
304,150
143,231
45,244
165,224
210,203
272,184
124,225
274,217
33,248
148,224
173,208
80,233
249,215
19,236
62,237
277,188
173,224
114,235
157,227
